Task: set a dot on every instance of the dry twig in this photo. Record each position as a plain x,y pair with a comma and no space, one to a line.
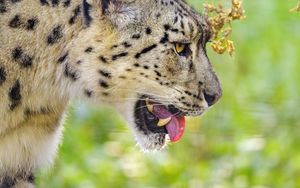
297,8
220,21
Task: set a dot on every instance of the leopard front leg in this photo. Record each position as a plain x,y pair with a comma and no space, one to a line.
20,181
32,145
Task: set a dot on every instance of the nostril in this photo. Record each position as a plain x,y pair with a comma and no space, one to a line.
210,99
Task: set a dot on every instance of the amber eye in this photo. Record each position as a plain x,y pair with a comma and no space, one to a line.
182,49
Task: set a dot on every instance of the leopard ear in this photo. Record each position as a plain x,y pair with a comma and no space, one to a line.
120,12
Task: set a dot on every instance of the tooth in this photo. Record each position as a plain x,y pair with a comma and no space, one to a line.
149,106
163,122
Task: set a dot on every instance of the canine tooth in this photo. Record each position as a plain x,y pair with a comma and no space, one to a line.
163,122
149,106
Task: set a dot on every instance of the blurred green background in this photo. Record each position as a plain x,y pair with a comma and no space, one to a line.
251,138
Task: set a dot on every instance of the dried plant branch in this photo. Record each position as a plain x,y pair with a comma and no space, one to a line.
220,20
297,8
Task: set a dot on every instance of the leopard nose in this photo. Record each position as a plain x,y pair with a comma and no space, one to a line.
211,99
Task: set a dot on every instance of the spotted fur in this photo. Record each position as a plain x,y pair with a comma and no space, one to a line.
103,51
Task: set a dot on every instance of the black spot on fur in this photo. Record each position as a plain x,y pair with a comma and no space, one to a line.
17,53
103,84
146,67
187,104
175,30
105,73
114,46
148,31
191,65
157,73
63,58
44,2
55,3
181,24
103,59
126,44
2,6
167,27
188,93
15,22
26,61
76,13
31,178
136,36
88,93
145,50
55,35
70,73
117,56
7,182
2,75
88,50
136,65
21,58
175,19
15,95
86,12
164,39
67,3
15,1
31,23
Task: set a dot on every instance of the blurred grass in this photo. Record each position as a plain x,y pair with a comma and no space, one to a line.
249,139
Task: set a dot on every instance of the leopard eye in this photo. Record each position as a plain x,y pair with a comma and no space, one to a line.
182,49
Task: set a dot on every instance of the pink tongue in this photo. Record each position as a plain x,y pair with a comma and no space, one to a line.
175,127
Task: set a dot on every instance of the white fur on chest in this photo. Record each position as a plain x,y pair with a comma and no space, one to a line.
28,148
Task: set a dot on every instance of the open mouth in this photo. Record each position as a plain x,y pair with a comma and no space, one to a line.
154,117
